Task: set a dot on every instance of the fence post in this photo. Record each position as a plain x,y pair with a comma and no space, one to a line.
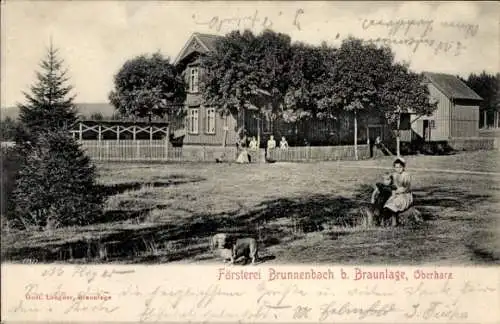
166,149
99,143
150,151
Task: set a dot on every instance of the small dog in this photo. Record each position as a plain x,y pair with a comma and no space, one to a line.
238,247
245,247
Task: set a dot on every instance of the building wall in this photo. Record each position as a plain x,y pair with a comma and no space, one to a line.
439,121
203,137
465,121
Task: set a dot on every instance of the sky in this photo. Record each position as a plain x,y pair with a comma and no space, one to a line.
95,38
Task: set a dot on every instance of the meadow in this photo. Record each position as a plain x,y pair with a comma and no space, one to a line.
301,213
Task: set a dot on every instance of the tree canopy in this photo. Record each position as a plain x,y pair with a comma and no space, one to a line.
307,81
148,85
307,95
247,71
488,87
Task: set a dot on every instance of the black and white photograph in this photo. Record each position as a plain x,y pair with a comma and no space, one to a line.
250,133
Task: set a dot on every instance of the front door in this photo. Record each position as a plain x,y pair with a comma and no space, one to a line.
374,132
426,131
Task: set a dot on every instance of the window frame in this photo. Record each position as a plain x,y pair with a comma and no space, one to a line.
207,121
194,79
190,122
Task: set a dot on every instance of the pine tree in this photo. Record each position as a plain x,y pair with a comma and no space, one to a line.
56,184
49,105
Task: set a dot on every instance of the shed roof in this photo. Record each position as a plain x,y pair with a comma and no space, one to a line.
452,86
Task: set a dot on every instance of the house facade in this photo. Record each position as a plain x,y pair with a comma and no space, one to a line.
457,113
202,125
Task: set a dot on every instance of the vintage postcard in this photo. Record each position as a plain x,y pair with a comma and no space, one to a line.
250,161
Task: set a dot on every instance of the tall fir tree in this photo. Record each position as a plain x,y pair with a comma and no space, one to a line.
55,182
49,106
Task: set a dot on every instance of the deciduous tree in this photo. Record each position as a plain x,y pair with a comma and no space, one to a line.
148,85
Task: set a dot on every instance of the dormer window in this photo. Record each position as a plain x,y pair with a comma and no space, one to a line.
193,79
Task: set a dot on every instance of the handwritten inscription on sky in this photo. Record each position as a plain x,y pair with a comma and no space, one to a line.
440,37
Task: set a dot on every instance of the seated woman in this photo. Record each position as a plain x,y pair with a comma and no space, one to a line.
402,198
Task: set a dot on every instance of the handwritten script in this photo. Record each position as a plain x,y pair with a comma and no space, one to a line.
151,294
422,32
229,23
440,37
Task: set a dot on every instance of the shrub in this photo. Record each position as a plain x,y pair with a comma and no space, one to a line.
10,161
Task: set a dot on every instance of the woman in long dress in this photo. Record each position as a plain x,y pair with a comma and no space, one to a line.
242,148
401,198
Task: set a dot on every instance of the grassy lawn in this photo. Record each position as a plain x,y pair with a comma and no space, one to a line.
300,212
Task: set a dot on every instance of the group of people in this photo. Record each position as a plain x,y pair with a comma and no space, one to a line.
271,143
393,196
253,145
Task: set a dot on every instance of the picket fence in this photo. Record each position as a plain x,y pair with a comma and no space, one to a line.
160,150
153,150
319,153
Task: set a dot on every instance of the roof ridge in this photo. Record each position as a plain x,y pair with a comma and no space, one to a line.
205,34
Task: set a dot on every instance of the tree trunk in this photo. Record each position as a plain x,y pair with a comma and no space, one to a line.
485,119
224,139
398,136
258,132
355,136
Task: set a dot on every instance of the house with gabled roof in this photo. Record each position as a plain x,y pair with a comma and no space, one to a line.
457,113
202,124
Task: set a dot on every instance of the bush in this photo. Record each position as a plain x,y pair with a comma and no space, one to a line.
10,161
56,184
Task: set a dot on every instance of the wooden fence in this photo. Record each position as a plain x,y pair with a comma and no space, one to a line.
160,150
319,153
155,150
